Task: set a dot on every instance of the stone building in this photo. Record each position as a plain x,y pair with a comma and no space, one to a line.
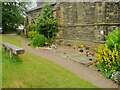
33,13
87,21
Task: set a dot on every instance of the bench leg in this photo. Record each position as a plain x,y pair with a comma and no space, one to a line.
10,54
4,48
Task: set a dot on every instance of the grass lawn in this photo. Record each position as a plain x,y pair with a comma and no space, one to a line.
0,65
32,71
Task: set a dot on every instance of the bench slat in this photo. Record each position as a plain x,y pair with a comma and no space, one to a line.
12,46
14,49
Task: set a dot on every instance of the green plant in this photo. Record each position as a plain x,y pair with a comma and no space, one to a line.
113,38
108,60
39,40
18,33
32,27
46,22
31,34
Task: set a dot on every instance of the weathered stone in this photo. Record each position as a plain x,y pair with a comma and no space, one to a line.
83,20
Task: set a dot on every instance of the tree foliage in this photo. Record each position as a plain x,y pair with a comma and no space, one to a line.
12,15
46,22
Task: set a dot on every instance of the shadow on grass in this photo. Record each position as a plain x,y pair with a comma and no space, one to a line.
15,59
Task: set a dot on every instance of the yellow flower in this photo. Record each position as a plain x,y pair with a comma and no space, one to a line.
106,70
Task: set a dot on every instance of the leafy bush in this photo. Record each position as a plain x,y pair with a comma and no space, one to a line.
32,27
47,23
108,60
39,40
31,34
113,38
18,33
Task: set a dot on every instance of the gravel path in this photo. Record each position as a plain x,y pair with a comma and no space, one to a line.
84,72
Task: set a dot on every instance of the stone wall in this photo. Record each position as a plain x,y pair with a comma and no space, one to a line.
88,21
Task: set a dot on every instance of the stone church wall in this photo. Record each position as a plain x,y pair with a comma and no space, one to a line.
88,20
85,21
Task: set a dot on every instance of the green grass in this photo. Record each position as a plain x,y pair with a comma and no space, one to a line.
0,64
32,71
14,39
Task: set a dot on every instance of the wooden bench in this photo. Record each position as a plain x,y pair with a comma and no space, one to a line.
12,49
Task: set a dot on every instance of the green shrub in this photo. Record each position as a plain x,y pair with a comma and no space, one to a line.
113,38
18,33
47,23
39,40
108,60
31,27
31,34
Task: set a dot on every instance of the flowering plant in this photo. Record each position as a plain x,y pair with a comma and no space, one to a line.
88,52
108,60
